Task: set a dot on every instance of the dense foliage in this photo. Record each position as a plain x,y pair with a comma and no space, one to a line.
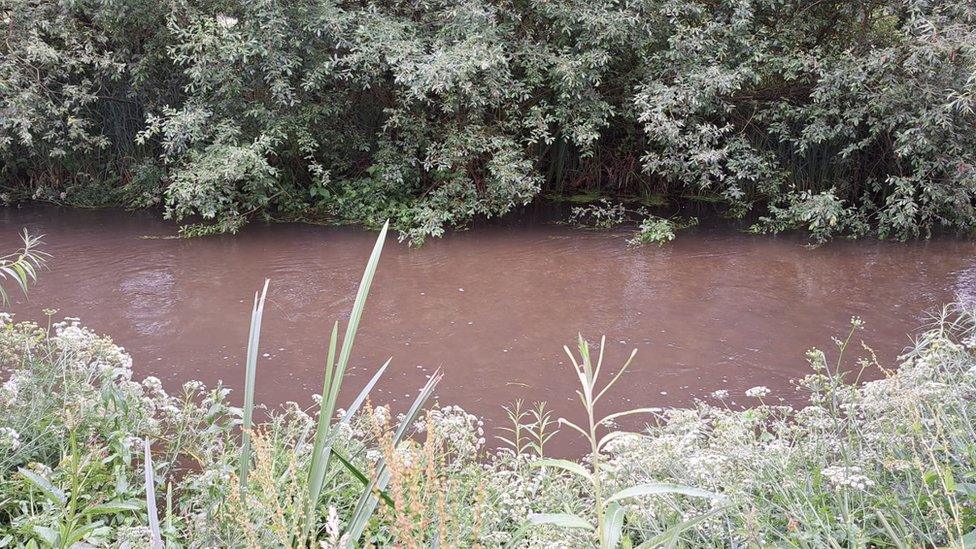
837,117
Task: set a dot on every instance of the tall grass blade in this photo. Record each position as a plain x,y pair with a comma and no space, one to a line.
253,338
357,313
564,520
660,488
322,450
155,537
895,538
367,501
361,477
334,374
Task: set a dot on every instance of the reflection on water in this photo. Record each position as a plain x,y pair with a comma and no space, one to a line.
148,296
716,309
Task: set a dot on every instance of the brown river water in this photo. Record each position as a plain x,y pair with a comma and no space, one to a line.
491,307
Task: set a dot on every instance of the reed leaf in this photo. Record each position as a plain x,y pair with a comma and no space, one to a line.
564,520
660,488
566,465
322,449
361,477
156,538
251,365
334,374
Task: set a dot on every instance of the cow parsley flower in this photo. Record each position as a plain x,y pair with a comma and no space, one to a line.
847,478
9,438
757,392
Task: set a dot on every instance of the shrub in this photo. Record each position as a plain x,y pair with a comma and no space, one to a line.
433,113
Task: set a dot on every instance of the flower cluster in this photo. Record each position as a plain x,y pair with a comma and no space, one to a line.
757,392
847,478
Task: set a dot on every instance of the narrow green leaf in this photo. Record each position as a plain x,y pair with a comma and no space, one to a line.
611,436
895,538
154,534
49,490
563,520
251,365
361,477
357,312
613,524
660,488
114,507
334,375
565,465
323,446
614,416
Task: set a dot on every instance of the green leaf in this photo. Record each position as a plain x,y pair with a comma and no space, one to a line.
895,537
49,490
147,470
49,535
611,436
361,477
114,507
671,535
322,450
966,488
968,541
660,488
612,417
251,365
565,465
564,520
613,524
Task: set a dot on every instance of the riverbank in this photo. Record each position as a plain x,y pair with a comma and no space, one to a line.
888,463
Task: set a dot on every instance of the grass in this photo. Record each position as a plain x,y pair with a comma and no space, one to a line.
608,509
322,445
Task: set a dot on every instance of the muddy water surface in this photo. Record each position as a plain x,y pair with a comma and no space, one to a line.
492,307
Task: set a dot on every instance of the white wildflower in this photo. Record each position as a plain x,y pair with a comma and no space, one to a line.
9,391
332,528
757,392
193,386
847,478
9,438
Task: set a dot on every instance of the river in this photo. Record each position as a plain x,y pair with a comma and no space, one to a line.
490,307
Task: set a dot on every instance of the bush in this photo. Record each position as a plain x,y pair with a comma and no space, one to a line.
433,113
